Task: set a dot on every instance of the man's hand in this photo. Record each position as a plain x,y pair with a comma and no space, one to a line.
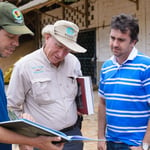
27,116
45,143
101,146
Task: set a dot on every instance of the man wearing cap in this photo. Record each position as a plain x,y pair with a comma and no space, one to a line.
11,27
47,81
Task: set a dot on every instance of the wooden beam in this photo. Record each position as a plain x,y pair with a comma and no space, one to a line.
56,17
31,6
136,2
86,13
69,7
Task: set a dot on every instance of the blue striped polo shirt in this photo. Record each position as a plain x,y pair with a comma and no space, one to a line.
126,89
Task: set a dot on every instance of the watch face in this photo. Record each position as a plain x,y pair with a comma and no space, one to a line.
145,146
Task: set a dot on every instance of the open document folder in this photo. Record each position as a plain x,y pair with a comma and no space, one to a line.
32,129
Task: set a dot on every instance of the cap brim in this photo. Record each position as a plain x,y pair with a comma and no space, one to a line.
18,30
72,45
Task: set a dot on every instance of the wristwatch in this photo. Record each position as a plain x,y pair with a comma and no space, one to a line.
146,146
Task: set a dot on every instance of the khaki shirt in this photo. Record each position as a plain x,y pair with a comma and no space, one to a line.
44,91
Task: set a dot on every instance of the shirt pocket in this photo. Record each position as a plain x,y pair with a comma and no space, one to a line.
43,91
70,87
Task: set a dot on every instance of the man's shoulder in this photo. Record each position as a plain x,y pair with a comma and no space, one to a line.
107,63
143,58
72,57
29,57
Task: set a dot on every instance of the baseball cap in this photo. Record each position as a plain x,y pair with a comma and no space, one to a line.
65,32
12,20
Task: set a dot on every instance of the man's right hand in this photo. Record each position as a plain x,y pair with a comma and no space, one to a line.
45,143
101,145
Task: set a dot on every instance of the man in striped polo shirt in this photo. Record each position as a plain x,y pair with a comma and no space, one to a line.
124,90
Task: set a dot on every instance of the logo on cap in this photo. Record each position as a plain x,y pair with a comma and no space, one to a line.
17,15
70,31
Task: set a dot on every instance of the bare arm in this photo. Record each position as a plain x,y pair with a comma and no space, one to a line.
147,134
41,142
101,123
145,140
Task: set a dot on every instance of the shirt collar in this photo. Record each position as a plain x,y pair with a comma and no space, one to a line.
131,56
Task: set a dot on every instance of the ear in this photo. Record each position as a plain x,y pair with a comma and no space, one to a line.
46,36
133,42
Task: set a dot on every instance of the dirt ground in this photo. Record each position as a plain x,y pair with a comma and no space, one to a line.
89,127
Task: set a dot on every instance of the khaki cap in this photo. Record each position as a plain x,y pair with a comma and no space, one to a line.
12,20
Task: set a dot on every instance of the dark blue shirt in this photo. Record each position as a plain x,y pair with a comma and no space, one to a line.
3,110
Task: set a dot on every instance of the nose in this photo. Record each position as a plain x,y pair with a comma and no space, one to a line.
115,43
62,52
15,41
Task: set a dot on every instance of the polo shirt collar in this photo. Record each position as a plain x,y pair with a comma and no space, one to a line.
131,56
